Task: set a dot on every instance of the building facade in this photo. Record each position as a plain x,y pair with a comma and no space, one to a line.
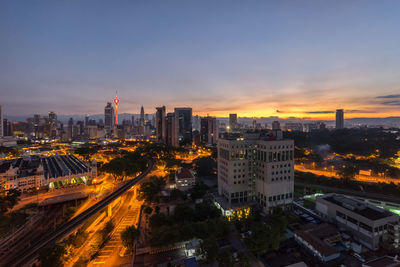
255,167
170,132
161,125
233,123
339,119
209,130
184,179
183,127
367,223
1,122
109,118
51,172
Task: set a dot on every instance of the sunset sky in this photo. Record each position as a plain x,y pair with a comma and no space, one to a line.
265,58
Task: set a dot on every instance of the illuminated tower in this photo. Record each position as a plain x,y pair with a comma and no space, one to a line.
116,101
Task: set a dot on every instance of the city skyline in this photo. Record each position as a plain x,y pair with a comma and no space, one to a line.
277,59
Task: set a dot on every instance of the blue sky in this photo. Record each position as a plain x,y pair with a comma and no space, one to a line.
256,58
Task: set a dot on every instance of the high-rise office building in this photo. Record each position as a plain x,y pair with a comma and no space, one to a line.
208,130
70,128
141,121
133,121
1,122
52,117
233,124
109,118
183,126
170,131
339,119
196,123
160,123
255,167
86,119
276,125
7,131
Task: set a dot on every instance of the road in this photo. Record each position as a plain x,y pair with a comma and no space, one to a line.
358,177
57,192
350,192
26,254
128,215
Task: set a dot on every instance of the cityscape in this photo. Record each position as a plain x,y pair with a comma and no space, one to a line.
199,134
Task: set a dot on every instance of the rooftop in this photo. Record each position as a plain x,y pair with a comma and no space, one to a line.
183,173
359,207
320,237
383,261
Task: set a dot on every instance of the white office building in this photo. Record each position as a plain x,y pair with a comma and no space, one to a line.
255,167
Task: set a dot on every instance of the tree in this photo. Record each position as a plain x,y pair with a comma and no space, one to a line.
177,194
106,230
148,210
115,168
259,241
205,166
9,151
225,258
51,256
209,248
128,165
86,152
243,260
149,190
129,236
278,223
206,210
198,190
157,220
268,236
183,213
348,172
9,200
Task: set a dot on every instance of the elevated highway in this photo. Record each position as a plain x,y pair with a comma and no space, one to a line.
25,255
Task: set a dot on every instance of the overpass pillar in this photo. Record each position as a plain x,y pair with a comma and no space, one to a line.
109,210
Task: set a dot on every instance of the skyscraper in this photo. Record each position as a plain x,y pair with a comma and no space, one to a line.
1,122
141,116
6,128
233,121
170,131
183,126
86,119
161,127
116,101
276,125
52,117
109,118
196,123
339,119
209,130
133,121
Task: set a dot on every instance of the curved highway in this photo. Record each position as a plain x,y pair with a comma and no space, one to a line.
27,254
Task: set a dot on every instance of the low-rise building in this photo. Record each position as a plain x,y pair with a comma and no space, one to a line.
367,223
184,179
319,239
55,171
385,261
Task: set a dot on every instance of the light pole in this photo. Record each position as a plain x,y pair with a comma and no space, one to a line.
37,195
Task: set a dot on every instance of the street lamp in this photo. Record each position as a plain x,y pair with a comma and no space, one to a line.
37,195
